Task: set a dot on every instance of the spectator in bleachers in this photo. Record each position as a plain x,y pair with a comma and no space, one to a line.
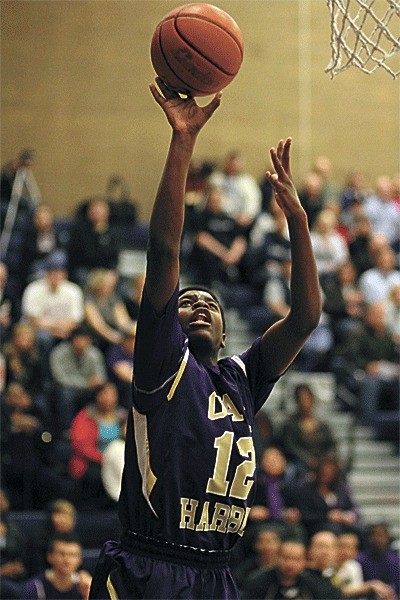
378,561
105,312
60,520
77,368
62,580
354,190
382,211
322,553
93,428
325,501
368,365
119,361
94,242
329,247
273,501
349,576
14,555
265,257
392,304
323,167
133,298
219,243
377,282
290,578
343,300
360,233
25,366
311,196
123,207
25,449
304,437
265,546
7,305
241,192
41,240
53,305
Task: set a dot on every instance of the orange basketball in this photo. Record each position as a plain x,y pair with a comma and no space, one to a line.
197,49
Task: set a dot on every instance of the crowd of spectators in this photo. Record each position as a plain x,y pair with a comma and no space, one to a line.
68,331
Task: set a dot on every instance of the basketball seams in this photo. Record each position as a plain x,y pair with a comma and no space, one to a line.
168,63
202,18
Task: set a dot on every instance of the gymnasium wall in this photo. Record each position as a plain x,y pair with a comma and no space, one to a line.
75,78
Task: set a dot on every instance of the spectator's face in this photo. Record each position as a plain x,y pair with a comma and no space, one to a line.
347,547
107,398
305,401
385,259
291,561
268,545
43,218
17,398
323,550
214,201
65,558
80,343
379,538
55,277
98,212
234,165
63,521
24,339
128,344
376,317
273,462
347,273
328,472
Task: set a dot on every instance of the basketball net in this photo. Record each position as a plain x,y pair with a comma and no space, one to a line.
360,36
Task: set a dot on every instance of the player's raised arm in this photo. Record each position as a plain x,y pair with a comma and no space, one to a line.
284,340
186,119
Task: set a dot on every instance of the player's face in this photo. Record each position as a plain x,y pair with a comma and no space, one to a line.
201,318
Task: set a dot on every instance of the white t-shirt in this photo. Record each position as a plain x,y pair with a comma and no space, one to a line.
66,302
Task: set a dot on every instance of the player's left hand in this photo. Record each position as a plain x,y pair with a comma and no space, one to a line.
281,181
184,114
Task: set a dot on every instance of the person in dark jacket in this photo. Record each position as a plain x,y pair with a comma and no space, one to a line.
290,579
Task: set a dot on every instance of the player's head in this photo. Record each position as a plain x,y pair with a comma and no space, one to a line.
202,317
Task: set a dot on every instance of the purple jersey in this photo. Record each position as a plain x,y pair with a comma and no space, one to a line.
189,474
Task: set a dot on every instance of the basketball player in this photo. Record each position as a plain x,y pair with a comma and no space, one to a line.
188,481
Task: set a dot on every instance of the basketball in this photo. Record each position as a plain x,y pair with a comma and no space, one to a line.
197,49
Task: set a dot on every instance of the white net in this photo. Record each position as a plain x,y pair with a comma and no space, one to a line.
365,34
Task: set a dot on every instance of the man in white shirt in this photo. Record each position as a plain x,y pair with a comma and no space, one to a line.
241,192
53,305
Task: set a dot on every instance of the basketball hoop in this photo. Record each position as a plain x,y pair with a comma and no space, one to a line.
360,36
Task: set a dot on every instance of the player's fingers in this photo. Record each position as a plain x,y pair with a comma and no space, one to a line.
286,155
277,163
213,105
168,93
156,95
279,150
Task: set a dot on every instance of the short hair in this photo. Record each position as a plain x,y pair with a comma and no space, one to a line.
65,538
201,288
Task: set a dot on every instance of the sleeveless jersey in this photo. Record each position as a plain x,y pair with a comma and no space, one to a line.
189,475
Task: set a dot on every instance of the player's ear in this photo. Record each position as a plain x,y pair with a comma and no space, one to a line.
223,341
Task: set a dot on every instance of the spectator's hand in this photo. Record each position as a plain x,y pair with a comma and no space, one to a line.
292,516
259,513
83,583
95,381
183,114
21,422
14,568
383,591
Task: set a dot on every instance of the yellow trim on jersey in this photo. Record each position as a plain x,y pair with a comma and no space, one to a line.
111,589
179,374
143,454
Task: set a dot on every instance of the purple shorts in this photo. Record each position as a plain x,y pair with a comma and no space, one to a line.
153,569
